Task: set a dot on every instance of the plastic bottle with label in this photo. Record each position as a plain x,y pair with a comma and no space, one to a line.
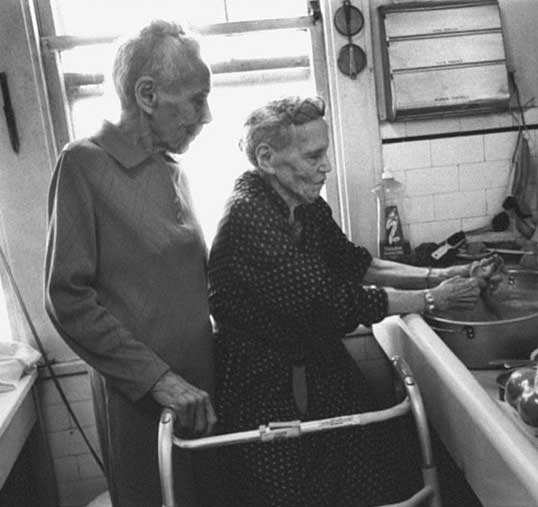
389,193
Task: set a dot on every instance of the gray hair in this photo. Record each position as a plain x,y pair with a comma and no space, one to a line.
271,123
161,50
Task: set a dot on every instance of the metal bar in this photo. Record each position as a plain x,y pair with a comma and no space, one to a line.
419,6
55,43
446,66
441,35
417,408
166,431
318,56
301,22
262,77
75,80
283,430
65,42
251,64
59,106
224,79
429,470
261,434
414,501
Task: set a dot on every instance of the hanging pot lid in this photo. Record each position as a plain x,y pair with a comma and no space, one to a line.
351,60
348,20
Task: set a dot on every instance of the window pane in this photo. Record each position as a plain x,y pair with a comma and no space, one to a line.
94,59
106,17
265,44
88,104
87,114
240,10
214,161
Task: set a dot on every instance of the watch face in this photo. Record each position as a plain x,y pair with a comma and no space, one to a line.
429,301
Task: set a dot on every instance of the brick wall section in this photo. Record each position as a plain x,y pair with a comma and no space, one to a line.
453,184
79,478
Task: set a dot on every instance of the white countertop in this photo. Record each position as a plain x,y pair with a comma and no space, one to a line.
497,455
17,417
10,401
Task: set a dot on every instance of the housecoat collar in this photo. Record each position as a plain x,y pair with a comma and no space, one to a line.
260,184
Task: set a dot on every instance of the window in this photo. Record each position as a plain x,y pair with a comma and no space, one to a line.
257,51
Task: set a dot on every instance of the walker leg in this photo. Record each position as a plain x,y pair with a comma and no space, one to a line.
165,443
430,479
429,470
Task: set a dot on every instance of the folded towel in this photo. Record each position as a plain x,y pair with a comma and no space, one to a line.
16,358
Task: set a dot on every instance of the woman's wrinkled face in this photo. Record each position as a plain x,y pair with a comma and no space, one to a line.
300,169
180,113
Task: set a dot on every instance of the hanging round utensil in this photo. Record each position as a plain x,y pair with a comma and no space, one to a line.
351,60
348,20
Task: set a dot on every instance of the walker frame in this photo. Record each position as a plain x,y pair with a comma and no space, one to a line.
292,429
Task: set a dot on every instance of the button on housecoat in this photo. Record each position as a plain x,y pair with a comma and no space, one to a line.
127,289
284,300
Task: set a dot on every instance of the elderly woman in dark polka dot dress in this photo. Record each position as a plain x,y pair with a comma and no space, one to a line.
285,286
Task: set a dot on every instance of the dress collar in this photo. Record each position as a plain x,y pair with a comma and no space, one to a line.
114,142
260,184
301,211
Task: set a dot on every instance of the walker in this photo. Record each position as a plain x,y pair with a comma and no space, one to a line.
282,430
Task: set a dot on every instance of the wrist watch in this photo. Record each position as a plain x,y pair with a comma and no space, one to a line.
429,301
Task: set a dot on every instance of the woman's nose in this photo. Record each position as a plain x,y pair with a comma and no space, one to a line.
325,166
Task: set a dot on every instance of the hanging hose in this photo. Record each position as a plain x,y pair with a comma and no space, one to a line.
47,363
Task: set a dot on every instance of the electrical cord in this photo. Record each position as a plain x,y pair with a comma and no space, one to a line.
47,363
523,125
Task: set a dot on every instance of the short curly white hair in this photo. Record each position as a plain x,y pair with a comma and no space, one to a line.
271,123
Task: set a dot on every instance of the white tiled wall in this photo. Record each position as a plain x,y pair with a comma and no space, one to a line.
79,478
454,183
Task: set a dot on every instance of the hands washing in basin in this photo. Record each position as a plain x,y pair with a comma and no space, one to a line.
489,272
463,284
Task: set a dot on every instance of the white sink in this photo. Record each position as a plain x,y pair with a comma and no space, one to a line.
496,457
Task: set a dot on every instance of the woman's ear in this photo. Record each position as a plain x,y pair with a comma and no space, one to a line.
145,93
264,157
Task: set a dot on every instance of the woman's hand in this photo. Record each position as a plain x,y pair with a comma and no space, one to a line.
195,414
456,293
529,260
489,272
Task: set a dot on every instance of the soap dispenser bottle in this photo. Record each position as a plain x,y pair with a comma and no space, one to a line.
389,193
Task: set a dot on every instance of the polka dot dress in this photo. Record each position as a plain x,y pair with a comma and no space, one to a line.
283,296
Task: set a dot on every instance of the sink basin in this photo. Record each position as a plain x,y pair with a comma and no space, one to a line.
502,325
